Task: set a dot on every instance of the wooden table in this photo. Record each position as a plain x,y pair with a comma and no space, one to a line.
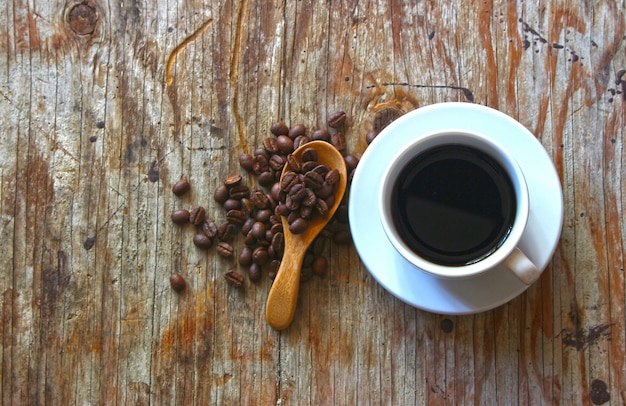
103,105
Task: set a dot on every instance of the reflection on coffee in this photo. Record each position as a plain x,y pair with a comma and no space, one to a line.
453,205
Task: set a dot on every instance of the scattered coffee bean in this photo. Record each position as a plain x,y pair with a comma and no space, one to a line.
221,194
279,128
337,119
369,137
234,278
197,215
246,161
254,272
180,216
320,135
177,282
201,241
181,187
232,181
298,226
224,249
245,256
296,131
209,228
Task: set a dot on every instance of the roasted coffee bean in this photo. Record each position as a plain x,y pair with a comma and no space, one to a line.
236,217
322,207
342,237
270,145
339,141
276,228
310,199
293,216
239,192
321,169
263,215
231,204
294,163
197,215
297,192
177,282
285,144
254,272
351,162
291,204
288,180
277,163
313,180
306,212
300,141
220,195
181,187
234,278
261,152
247,226
279,128
247,206
298,226
325,190
275,191
201,241
259,199
245,256
246,161
266,178
337,119
281,210
180,216
258,230
278,242
296,131
308,166
309,154
226,232
273,268
320,135
260,164
260,256
250,240
332,177
209,228
233,181
330,200
224,249
320,265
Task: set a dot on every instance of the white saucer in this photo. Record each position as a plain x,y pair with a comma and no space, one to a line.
416,287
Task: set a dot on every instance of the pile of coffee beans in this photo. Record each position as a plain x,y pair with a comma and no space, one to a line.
253,214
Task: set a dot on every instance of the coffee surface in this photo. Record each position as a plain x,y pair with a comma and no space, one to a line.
453,205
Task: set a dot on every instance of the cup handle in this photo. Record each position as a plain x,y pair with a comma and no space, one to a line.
522,267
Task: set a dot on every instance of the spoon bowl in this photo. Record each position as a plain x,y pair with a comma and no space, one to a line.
283,296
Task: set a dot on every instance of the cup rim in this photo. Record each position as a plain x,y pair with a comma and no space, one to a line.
505,159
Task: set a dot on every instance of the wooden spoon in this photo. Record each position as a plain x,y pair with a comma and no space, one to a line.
281,302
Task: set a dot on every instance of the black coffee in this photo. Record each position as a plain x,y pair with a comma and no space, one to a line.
453,205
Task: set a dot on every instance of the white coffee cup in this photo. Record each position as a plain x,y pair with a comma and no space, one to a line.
505,251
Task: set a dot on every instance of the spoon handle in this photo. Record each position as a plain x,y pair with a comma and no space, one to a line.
281,301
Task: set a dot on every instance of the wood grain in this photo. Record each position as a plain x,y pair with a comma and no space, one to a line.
104,107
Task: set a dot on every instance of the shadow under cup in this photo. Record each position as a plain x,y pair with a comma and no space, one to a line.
455,204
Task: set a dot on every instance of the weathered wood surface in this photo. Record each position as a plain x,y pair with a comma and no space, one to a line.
92,137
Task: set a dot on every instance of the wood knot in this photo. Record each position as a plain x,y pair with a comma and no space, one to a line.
83,19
